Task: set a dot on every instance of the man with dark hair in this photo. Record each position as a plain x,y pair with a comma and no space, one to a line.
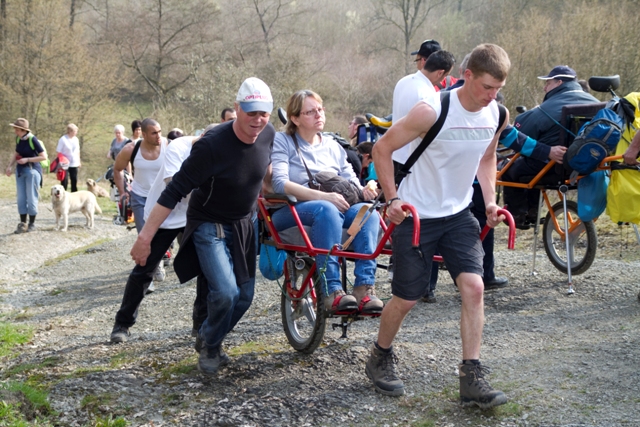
541,123
439,187
227,115
219,239
439,65
145,157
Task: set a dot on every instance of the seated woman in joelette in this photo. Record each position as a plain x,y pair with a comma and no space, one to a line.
326,213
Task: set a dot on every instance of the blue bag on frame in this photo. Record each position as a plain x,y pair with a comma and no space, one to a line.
592,195
271,262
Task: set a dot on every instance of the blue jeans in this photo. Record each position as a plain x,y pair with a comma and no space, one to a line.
137,207
227,300
27,185
326,223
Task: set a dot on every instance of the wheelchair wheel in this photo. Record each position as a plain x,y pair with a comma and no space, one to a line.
583,240
303,318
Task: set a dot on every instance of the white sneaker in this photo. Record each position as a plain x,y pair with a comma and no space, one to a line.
159,274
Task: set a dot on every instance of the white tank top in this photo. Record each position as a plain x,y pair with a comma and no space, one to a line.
145,171
440,182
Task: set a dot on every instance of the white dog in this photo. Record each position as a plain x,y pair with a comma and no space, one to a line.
65,203
96,189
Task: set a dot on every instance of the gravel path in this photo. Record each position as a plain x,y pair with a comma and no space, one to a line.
562,360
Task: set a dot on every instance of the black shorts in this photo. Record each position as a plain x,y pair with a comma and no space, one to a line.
456,237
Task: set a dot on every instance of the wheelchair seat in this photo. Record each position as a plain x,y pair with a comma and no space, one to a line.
292,236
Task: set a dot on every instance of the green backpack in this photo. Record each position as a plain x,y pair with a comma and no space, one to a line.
44,163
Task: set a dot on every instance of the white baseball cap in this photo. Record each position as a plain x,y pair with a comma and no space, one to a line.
254,95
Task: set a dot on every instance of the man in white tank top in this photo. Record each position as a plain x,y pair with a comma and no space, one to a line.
146,165
440,188
146,162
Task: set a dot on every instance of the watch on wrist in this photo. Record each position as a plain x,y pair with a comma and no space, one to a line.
392,200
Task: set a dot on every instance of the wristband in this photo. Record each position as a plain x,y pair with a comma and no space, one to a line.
392,200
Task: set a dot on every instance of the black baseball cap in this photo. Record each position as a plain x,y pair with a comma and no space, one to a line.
561,72
427,48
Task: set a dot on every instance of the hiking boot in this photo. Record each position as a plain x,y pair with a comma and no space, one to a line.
430,297
159,274
31,227
120,333
22,228
381,370
211,360
368,302
339,301
475,390
151,289
521,222
495,283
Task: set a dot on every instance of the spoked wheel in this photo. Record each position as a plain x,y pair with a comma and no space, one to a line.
583,240
302,306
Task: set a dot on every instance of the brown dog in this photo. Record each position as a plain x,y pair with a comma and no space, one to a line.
96,189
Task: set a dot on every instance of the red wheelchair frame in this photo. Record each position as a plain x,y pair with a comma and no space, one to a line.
302,307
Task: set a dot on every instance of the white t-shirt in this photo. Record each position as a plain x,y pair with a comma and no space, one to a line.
70,148
408,92
174,154
145,171
440,182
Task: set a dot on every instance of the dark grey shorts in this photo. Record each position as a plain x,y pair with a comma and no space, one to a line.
457,238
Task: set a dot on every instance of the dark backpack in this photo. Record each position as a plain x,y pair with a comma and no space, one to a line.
594,141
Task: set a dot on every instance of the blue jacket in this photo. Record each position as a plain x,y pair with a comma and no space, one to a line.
539,126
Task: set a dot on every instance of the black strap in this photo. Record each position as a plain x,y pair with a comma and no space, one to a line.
312,180
502,117
134,153
428,138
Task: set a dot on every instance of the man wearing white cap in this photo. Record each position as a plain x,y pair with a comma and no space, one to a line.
225,170
541,123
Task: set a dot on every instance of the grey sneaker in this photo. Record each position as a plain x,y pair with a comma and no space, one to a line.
381,369
339,301
120,333
151,289
159,274
21,228
475,390
211,360
367,300
31,227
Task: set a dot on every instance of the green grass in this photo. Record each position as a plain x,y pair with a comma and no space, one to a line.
12,335
75,252
110,422
184,367
91,402
120,359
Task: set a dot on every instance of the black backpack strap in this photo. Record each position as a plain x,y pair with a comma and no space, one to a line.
134,153
428,138
503,116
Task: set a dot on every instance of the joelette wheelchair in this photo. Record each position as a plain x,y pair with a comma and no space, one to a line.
303,314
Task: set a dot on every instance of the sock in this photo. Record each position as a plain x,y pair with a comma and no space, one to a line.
384,350
32,219
471,362
23,218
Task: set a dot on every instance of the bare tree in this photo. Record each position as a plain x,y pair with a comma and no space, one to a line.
164,40
407,16
269,12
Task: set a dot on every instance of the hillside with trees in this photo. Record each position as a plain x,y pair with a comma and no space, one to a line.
101,62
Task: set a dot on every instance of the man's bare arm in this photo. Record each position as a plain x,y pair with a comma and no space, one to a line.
122,161
142,247
415,124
